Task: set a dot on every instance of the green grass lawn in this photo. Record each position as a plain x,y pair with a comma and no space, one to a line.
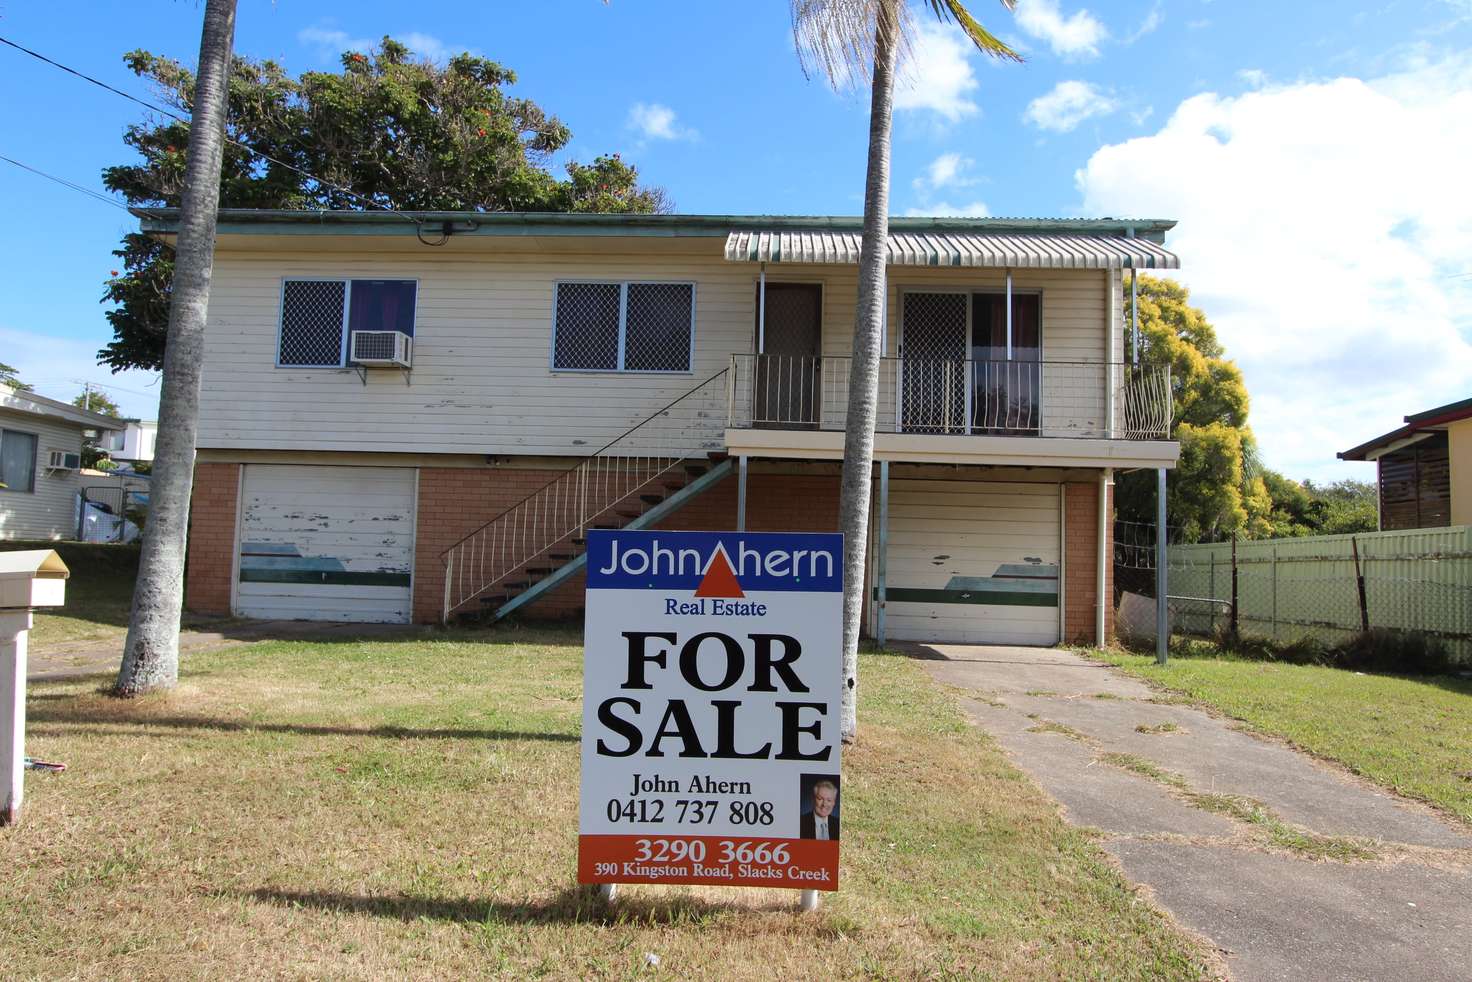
369,810
1412,734
99,595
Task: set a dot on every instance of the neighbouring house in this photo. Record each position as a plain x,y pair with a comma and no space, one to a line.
1423,469
41,463
133,443
417,419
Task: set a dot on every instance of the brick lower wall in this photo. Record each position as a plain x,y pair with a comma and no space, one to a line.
1080,569
211,561
454,502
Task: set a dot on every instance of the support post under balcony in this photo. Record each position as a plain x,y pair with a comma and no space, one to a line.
1101,583
881,557
741,493
1162,617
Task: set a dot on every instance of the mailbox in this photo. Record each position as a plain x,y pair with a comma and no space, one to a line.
33,578
29,579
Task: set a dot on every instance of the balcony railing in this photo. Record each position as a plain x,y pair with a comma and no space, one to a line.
967,398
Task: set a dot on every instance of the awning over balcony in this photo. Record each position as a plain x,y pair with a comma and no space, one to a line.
1001,250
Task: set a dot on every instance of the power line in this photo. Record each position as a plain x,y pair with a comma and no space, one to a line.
368,202
66,184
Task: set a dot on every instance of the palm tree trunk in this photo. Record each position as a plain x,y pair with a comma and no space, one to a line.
863,380
151,653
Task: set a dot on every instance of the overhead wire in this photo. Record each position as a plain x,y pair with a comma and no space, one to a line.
65,183
369,203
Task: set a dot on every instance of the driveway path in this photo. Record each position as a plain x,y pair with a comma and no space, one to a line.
1295,869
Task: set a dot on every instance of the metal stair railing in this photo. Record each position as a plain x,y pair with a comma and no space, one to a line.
641,457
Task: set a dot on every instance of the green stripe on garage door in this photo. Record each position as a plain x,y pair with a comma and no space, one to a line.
336,577
1003,598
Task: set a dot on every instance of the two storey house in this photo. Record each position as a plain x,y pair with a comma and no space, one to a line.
417,418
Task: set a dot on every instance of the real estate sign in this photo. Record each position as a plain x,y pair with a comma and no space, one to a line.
712,679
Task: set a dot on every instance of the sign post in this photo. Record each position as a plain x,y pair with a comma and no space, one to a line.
712,678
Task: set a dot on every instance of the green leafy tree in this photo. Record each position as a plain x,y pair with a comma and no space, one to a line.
1217,487
9,377
388,130
96,402
1309,509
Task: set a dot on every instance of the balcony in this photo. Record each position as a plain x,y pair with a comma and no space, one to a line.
956,398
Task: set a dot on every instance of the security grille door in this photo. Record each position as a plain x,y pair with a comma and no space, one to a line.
933,353
789,371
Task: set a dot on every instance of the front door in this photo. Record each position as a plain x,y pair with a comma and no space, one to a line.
789,370
933,345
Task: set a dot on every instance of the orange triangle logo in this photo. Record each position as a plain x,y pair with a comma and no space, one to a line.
720,578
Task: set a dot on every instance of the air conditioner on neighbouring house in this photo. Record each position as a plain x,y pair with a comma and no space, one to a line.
63,460
385,349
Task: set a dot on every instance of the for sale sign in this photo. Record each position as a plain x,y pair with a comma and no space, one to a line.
711,687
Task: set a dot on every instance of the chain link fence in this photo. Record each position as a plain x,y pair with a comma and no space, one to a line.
1332,588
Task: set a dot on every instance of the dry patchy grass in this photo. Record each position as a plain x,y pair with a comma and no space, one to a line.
369,810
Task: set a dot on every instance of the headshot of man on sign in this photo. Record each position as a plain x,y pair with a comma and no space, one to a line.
820,809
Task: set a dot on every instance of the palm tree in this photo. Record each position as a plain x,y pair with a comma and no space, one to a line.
151,653
851,40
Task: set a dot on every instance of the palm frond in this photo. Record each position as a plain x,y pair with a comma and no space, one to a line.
836,37
986,42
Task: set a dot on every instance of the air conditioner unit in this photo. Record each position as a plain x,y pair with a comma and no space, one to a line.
62,460
384,349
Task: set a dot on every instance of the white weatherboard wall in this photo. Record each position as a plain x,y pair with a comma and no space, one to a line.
975,562
326,543
49,512
481,381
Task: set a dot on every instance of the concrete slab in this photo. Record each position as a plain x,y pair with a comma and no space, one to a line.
1278,916
1092,794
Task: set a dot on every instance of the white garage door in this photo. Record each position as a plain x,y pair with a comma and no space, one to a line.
326,543
973,562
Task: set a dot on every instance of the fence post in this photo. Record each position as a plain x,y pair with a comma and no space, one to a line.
1211,592
1359,581
1235,635
1275,593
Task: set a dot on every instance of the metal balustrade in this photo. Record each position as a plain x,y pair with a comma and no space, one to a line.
957,397
536,535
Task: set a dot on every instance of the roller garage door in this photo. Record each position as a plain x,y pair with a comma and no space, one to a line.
326,543
973,562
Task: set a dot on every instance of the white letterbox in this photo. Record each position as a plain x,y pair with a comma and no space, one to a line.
33,578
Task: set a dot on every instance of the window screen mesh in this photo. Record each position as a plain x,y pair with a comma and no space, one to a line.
586,334
934,351
658,327
311,322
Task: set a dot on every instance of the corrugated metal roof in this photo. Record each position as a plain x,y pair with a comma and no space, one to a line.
1001,250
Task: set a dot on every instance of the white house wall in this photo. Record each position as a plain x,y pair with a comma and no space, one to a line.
50,512
481,381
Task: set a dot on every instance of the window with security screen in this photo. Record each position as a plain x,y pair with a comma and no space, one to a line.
316,316
623,327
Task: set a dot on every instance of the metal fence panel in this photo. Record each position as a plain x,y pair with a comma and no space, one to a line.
1416,580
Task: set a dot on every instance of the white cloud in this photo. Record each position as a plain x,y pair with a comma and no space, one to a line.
938,75
1323,233
1075,36
1254,78
944,209
1152,21
331,42
56,367
1067,105
946,171
656,122
431,47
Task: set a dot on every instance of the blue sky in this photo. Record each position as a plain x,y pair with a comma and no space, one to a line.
1315,154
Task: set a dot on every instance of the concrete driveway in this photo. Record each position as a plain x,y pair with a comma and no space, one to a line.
1295,869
